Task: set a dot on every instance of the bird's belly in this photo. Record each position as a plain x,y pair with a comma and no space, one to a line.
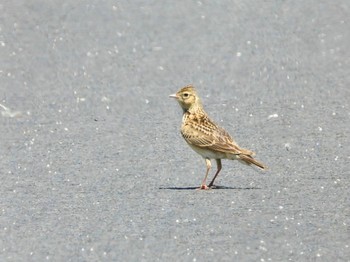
205,153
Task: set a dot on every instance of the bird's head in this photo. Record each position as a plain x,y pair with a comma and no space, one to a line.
187,97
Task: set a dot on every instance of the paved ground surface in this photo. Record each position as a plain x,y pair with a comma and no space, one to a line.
93,166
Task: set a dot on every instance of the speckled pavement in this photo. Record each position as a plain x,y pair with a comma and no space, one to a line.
92,164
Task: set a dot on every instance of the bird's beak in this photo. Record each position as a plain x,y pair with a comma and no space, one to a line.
173,96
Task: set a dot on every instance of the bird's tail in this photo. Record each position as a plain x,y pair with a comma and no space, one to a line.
248,160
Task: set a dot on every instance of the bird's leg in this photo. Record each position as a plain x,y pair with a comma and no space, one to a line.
218,163
204,184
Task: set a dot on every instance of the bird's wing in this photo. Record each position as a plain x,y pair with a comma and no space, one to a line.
211,136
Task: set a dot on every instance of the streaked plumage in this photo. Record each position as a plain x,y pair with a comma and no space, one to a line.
206,137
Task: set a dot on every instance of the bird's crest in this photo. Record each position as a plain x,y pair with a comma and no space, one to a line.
188,88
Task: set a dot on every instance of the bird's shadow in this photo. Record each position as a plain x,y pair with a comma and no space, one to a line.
212,188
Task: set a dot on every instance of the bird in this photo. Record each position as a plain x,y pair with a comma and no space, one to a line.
207,138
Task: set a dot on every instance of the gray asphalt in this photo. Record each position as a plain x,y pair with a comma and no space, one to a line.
92,164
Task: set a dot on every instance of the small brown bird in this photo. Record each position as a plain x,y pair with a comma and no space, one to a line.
207,138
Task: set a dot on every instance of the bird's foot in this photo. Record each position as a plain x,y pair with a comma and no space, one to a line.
212,186
203,187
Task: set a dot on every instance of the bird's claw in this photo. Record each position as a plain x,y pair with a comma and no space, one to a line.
203,187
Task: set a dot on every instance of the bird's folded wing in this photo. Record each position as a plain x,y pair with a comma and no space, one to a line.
217,140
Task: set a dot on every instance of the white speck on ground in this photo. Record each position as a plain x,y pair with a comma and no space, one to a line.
6,112
287,146
272,116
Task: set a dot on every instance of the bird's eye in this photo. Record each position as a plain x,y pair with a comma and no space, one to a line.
185,94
